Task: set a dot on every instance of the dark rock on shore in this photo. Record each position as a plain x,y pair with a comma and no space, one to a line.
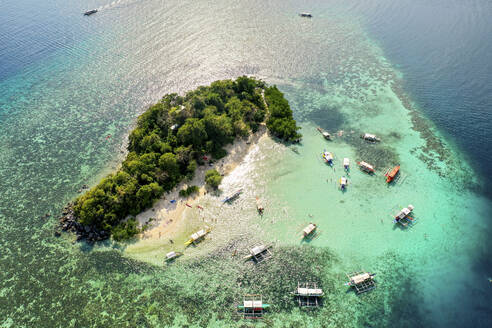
68,222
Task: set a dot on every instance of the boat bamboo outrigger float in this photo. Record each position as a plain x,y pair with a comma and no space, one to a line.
259,253
325,134
403,217
171,256
308,294
197,236
391,174
364,166
370,137
253,306
328,157
233,196
362,281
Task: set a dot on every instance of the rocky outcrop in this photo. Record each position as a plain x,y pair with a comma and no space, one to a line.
68,222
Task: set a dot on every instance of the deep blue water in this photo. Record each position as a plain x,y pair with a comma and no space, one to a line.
443,49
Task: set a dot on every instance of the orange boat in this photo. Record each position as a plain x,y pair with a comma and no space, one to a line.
392,174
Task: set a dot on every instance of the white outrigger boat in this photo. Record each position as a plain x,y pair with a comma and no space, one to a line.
343,183
328,157
346,164
364,166
403,217
197,236
309,231
172,256
370,137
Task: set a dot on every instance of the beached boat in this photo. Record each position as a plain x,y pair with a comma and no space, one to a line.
346,164
364,166
309,231
325,134
390,175
90,12
370,137
343,183
197,236
403,217
233,196
328,157
306,14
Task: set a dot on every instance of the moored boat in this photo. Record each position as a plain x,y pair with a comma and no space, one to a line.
328,157
172,255
306,14
346,163
390,176
370,137
233,196
325,134
343,183
403,217
90,12
364,166
309,230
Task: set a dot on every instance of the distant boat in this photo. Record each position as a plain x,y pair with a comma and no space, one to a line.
390,176
370,137
90,12
305,14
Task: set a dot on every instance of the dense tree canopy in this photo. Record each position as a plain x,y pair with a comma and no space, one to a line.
169,142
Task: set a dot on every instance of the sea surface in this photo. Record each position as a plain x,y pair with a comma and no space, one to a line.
417,73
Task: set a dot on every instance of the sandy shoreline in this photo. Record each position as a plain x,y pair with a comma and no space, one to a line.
164,218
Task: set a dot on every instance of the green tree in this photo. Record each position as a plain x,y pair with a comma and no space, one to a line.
213,178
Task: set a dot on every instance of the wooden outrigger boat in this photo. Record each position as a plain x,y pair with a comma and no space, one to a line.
364,166
171,256
325,134
259,253
197,236
343,183
233,196
403,217
307,294
390,175
328,157
309,231
370,137
252,306
346,164
361,281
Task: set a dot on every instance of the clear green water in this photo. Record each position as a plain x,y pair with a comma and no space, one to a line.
57,112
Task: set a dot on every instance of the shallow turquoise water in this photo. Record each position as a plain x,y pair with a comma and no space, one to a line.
90,77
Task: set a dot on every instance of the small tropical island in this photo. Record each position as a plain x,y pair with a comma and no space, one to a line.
172,138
